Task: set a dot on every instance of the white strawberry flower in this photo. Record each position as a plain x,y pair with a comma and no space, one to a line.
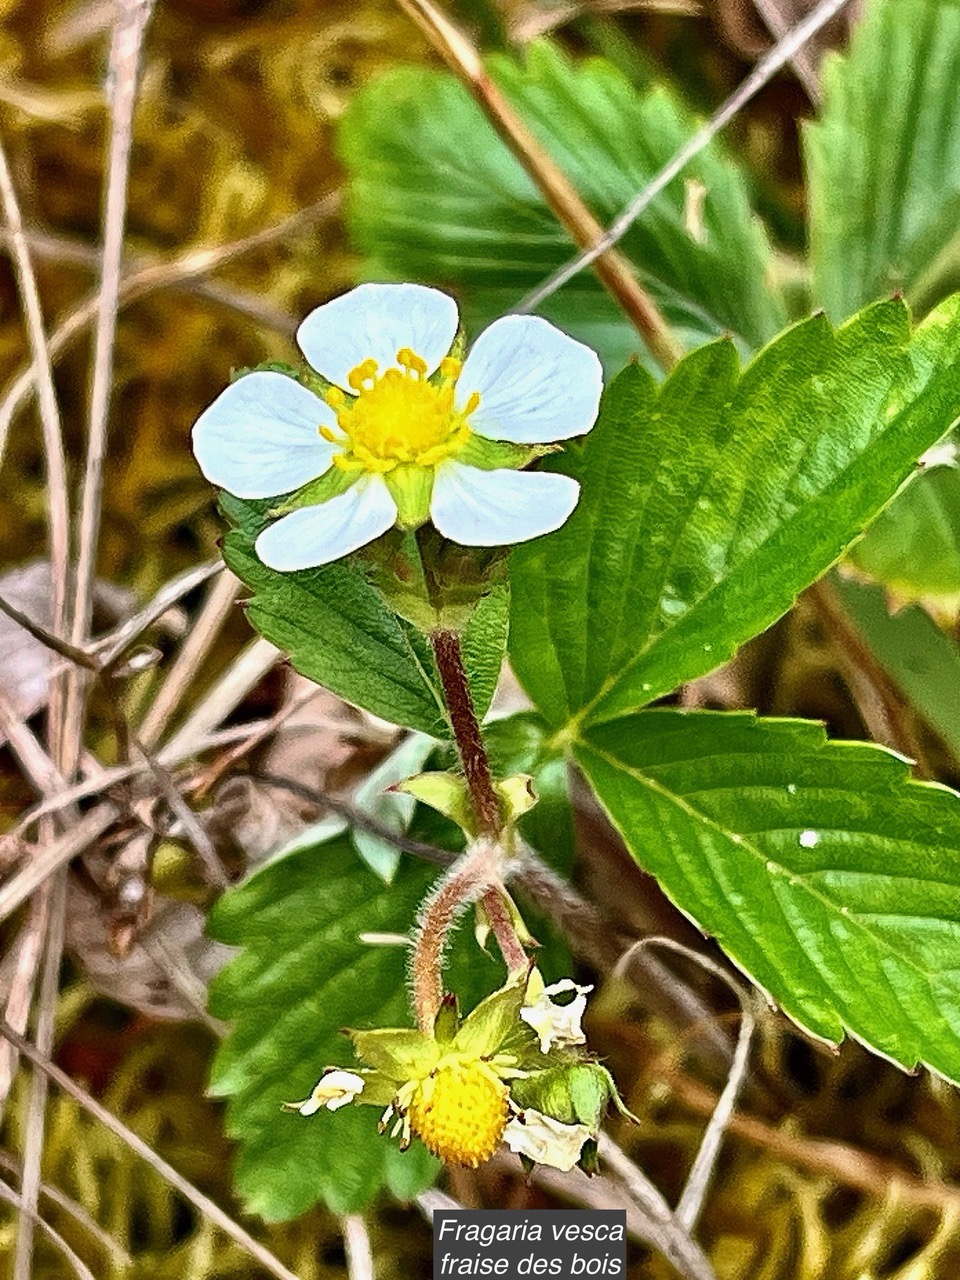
333,1090
545,1140
405,430
557,1025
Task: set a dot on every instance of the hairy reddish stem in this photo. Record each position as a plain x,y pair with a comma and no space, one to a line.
466,731
469,879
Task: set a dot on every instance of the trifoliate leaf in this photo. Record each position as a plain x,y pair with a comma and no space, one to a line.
708,504
435,195
824,871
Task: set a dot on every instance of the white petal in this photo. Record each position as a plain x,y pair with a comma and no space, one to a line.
546,1141
317,535
535,383
493,508
374,321
557,1025
260,437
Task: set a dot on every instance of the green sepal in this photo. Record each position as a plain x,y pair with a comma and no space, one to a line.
379,1090
518,795
457,351
487,1027
577,1093
411,488
432,582
491,455
317,383
330,485
266,366
447,1022
448,793
589,1160
399,1053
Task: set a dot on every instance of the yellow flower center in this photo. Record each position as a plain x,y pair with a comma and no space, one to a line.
460,1112
399,416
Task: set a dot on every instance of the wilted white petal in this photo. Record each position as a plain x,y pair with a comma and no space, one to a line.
317,535
546,1141
374,321
260,437
557,1025
535,383
333,1090
493,508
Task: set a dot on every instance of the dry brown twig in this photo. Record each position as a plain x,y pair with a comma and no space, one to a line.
690,1204
186,272
77,1266
561,195
766,68
131,19
166,1171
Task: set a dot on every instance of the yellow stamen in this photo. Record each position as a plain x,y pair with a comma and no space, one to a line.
398,417
410,360
363,373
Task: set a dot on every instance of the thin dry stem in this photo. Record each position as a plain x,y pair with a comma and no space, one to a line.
690,1204
185,272
243,674
246,736
32,758
203,634
28,949
612,268
166,1171
57,499
50,857
112,646
538,22
73,1210
848,1165
193,828
56,892
673,1239
125,47
764,71
356,1243
47,638
20,1204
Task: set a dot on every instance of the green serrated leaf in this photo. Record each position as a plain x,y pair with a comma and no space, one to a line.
914,546
337,630
709,503
883,160
921,660
435,195
303,975
827,873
